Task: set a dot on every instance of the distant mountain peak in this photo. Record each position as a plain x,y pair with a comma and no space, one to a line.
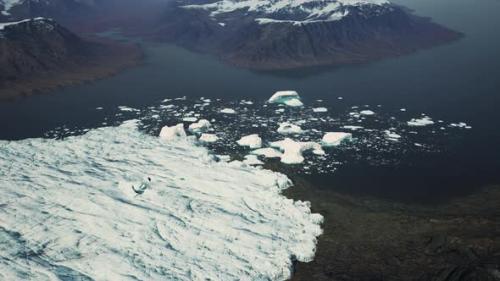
287,11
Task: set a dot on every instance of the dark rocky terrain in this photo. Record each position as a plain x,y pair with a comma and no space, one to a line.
366,33
373,239
40,54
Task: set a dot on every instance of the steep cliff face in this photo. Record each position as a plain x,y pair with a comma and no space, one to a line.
284,34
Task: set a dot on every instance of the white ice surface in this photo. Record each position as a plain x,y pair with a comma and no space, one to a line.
228,111
289,98
173,132
208,138
293,150
268,152
420,122
201,126
252,141
335,138
286,128
67,207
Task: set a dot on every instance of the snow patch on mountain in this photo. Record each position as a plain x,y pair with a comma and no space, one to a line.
287,11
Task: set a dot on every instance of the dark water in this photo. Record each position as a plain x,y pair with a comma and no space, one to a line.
456,82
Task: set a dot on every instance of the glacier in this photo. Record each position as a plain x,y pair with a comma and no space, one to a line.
68,211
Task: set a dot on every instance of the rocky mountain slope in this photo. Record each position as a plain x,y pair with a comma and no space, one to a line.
39,52
286,34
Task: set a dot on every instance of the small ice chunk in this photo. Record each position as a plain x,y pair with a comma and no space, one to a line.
208,138
392,135
268,152
289,98
367,112
173,132
228,111
352,127
252,160
252,141
292,150
420,122
286,128
320,109
335,138
190,119
201,126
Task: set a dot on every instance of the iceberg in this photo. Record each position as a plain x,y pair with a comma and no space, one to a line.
392,135
268,152
208,138
252,160
367,112
286,128
201,126
68,207
420,122
335,138
228,111
292,150
320,109
288,98
252,141
173,133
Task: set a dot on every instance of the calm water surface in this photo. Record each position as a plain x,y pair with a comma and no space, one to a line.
456,82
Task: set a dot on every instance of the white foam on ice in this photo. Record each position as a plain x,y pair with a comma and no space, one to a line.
252,141
67,208
335,138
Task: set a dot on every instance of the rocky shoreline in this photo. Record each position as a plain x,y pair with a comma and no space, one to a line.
373,239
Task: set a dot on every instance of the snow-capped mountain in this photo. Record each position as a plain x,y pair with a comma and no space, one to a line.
290,11
59,9
274,34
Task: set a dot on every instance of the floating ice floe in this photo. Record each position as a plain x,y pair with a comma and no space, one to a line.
190,119
367,112
461,125
288,98
268,152
292,150
208,138
352,127
127,109
200,219
286,128
390,135
320,109
173,133
252,141
420,122
201,126
228,111
335,138
252,160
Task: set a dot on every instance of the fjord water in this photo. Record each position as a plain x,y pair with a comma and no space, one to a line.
456,82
